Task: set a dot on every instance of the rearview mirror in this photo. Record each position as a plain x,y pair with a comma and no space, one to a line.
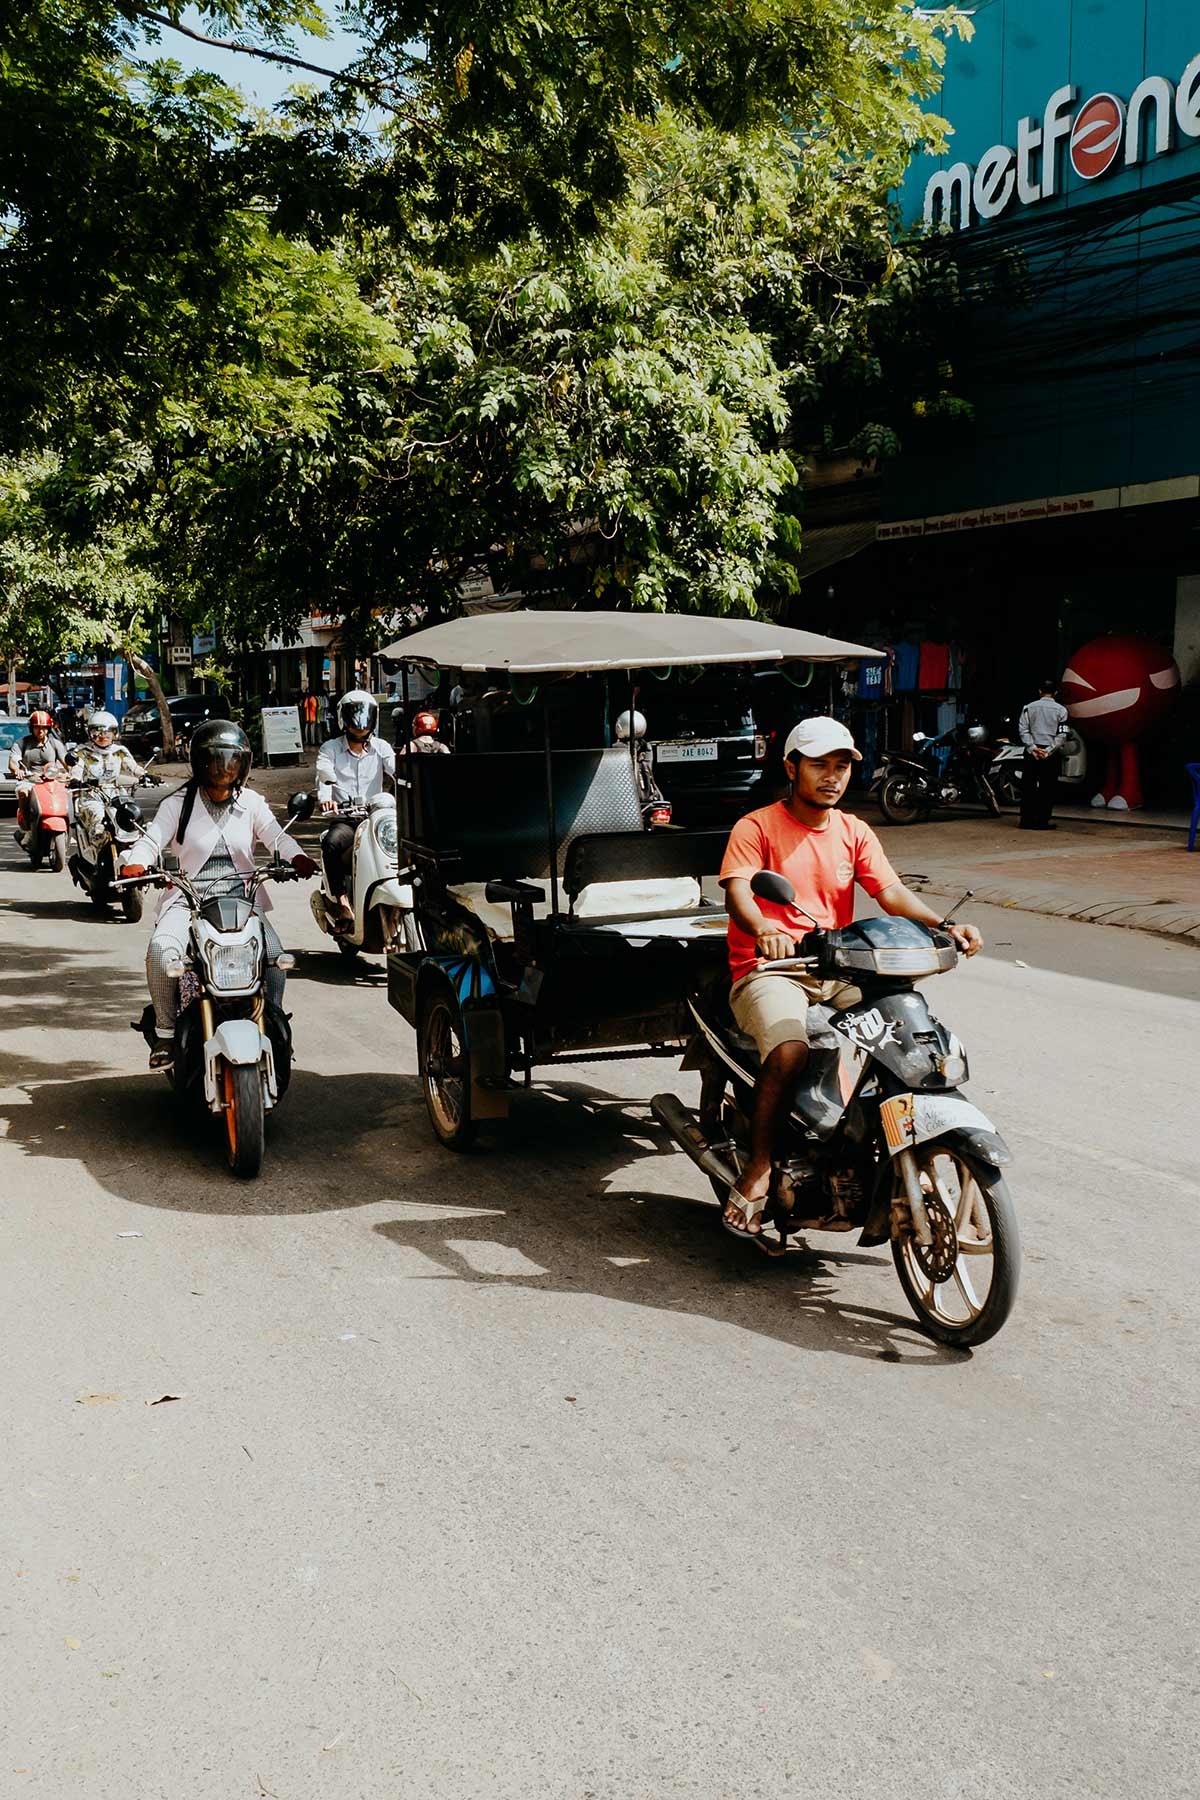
301,805
918,737
767,885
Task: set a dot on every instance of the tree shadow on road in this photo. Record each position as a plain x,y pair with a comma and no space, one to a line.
556,1194
40,986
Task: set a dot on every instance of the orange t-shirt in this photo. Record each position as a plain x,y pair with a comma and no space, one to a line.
821,862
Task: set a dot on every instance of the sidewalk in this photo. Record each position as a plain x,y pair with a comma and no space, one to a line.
1100,870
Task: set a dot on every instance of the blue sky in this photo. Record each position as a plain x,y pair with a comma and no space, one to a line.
260,81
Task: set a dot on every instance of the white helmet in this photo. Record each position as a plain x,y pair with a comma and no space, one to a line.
357,711
639,726
101,721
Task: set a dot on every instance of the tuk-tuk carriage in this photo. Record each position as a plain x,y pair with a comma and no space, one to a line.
552,926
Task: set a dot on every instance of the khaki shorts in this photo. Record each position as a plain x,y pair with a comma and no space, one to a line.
772,1008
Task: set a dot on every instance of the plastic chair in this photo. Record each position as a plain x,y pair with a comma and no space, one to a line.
1193,770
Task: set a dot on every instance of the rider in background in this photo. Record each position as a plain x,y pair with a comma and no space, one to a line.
38,754
214,824
350,771
823,852
425,740
101,759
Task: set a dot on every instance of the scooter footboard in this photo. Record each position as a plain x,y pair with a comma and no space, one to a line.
238,1041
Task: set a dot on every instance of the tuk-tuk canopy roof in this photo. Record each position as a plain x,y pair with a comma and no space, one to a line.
547,643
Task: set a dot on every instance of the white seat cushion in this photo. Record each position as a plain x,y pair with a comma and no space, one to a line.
639,899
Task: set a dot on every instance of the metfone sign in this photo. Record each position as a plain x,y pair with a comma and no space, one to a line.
1103,134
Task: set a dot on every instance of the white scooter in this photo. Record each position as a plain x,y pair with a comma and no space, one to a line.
1009,761
379,890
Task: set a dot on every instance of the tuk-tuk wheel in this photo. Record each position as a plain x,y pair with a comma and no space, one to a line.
445,1070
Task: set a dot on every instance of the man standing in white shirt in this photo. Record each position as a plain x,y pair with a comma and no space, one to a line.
350,771
1041,726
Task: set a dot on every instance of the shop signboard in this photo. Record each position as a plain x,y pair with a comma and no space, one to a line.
1103,134
281,731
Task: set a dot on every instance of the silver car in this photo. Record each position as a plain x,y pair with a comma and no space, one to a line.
11,732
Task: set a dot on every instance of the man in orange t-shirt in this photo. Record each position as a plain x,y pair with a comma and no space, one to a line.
823,852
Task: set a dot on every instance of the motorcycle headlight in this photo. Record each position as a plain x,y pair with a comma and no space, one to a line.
232,966
914,961
385,831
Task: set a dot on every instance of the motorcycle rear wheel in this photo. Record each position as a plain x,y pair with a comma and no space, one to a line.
245,1118
899,801
445,1071
976,1203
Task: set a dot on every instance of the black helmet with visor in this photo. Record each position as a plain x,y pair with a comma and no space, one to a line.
219,752
358,712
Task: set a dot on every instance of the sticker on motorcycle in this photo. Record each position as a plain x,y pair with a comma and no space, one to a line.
869,1030
910,1119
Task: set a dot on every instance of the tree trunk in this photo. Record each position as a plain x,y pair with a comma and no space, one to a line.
12,688
143,668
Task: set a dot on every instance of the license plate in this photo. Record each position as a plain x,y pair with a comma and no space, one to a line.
685,753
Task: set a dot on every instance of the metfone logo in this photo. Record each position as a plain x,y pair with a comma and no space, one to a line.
1101,135
1096,136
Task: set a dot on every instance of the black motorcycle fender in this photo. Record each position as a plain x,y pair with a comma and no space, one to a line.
985,1146
884,1025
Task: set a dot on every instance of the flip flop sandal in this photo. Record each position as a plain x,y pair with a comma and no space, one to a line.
753,1209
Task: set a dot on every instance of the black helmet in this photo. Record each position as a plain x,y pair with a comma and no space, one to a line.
357,711
219,747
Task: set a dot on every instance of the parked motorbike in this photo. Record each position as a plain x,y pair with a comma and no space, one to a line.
880,1138
945,771
96,860
379,890
49,809
1009,761
233,1048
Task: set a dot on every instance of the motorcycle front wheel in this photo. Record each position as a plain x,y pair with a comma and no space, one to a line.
58,851
245,1118
963,1285
131,904
901,801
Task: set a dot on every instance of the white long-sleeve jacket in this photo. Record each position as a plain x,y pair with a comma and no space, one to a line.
249,825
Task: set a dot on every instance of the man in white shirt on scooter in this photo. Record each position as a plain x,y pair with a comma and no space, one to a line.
350,771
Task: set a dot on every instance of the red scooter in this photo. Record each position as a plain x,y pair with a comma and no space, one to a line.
47,808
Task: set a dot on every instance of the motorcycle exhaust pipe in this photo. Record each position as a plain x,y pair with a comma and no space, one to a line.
681,1124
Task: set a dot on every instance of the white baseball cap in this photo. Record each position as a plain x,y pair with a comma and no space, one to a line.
819,737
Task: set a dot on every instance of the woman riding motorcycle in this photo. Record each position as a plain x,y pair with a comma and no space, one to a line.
101,759
37,754
350,771
214,824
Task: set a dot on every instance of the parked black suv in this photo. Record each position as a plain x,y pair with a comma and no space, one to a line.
141,728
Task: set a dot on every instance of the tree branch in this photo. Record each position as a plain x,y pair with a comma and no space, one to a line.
364,85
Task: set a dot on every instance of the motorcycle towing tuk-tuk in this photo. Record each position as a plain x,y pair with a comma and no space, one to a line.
551,925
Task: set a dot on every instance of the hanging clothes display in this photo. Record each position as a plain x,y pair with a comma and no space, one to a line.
871,680
908,663
933,669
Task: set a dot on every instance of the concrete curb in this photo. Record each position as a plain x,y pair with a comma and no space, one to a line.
1171,919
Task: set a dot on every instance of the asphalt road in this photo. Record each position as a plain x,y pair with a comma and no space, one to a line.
512,1475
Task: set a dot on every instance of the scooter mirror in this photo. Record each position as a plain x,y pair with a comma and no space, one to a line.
919,737
767,885
301,805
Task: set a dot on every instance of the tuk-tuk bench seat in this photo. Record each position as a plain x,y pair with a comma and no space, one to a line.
615,881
